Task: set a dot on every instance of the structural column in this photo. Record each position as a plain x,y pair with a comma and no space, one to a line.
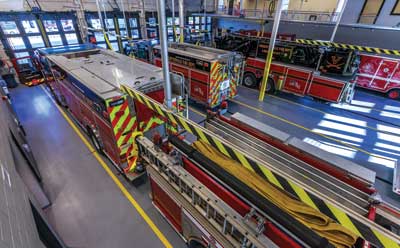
162,25
271,46
181,22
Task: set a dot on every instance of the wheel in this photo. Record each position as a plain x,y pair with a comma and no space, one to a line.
95,141
394,94
194,243
270,86
249,80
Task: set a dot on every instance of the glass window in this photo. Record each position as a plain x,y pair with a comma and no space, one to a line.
123,33
135,34
99,36
133,22
67,25
170,31
152,22
112,35
21,54
24,61
176,20
197,27
30,26
71,38
55,40
102,45
9,27
36,41
209,27
50,25
197,20
203,20
95,23
109,23
169,21
121,23
208,19
177,30
16,43
190,20
115,46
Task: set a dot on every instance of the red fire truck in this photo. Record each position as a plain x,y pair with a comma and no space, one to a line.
294,67
88,84
380,74
211,74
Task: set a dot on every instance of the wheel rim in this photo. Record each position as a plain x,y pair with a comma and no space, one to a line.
394,94
268,88
248,81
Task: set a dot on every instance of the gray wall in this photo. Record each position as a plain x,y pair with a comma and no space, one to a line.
382,38
17,227
385,19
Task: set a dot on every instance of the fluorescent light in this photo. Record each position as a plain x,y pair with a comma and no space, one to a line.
345,120
342,127
338,135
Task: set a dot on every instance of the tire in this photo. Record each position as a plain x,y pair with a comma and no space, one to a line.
270,89
95,141
249,80
194,243
394,94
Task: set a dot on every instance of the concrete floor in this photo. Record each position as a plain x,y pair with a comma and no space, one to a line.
88,209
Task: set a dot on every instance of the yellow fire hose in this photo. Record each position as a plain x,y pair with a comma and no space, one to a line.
310,217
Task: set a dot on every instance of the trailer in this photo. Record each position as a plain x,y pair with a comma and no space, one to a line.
212,75
87,82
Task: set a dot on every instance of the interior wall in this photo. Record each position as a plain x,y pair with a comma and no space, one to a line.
313,5
385,18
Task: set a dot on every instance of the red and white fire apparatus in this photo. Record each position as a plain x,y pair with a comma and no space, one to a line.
294,67
88,84
380,74
212,75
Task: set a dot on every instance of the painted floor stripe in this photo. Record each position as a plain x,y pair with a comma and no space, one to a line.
124,191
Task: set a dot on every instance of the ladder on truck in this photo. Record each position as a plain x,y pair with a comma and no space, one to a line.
233,229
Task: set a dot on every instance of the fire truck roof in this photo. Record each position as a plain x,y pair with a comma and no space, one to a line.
200,52
104,71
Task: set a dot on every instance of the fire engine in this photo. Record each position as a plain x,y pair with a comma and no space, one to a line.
380,74
294,67
87,82
212,190
212,75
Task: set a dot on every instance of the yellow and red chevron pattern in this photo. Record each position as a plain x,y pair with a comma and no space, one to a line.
122,122
353,222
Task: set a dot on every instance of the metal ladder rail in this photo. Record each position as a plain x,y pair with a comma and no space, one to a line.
328,185
237,229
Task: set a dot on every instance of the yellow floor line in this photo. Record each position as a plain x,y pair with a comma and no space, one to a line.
320,111
124,191
304,128
197,112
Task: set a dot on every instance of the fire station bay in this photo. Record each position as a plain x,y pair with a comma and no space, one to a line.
200,123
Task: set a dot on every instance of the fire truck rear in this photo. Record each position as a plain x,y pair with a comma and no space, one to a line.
212,75
88,84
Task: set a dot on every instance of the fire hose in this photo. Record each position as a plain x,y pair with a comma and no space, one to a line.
310,217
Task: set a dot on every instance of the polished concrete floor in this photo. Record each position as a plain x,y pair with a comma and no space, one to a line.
88,209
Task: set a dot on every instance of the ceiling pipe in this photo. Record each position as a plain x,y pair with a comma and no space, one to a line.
164,52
